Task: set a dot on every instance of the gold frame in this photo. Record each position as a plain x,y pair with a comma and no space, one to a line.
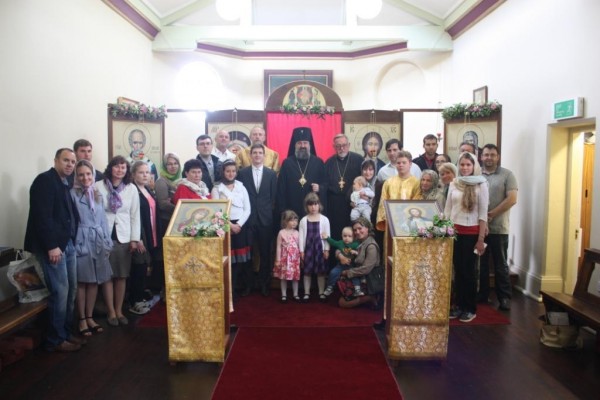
185,209
396,212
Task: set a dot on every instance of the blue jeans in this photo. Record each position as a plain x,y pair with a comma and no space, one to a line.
61,280
336,272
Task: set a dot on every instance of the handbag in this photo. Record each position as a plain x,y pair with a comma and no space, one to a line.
26,274
376,280
346,288
561,336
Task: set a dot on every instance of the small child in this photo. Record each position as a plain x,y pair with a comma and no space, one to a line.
348,248
314,251
287,255
361,206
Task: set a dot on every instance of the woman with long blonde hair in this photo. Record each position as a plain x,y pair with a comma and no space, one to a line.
467,207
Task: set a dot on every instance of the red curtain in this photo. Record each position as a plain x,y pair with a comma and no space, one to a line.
280,126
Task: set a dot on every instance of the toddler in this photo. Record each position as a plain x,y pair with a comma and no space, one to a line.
348,248
287,254
361,206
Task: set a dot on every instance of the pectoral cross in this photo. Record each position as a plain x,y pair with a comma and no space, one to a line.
342,183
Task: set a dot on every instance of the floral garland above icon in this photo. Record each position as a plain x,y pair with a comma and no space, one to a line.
217,226
140,111
471,111
441,228
320,111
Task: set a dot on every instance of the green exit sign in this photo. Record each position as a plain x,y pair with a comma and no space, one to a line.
572,108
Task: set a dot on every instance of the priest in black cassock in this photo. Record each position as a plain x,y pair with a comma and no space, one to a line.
341,169
302,172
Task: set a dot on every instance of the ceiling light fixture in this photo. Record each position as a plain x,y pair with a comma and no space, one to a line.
229,10
367,9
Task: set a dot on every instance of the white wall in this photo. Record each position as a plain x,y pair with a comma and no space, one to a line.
62,62
67,60
531,54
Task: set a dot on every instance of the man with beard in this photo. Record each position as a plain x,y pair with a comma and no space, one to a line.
244,158
302,172
341,169
427,159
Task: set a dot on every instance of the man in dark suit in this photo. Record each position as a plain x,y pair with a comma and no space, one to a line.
211,166
261,184
50,236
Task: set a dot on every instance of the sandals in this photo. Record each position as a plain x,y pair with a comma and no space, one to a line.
95,328
86,332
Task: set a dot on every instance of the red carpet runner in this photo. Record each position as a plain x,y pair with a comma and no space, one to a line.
306,363
259,311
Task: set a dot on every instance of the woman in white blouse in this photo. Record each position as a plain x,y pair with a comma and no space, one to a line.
122,206
467,207
232,189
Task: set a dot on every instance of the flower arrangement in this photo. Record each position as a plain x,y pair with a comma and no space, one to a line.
471,111
140,111
321,111
441,228
217,227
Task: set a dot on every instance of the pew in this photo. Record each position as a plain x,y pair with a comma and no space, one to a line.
583,306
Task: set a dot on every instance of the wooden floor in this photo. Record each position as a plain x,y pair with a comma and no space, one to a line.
484,362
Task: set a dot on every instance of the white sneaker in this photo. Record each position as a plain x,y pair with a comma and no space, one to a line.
328,291
152,302
358,292
139,308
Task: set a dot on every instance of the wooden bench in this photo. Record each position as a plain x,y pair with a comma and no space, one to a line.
583,307
14,314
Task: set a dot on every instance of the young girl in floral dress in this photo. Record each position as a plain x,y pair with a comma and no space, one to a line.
287,256
314,250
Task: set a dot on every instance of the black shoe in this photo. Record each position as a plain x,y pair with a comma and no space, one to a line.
264,291
379,325
233,328
504,304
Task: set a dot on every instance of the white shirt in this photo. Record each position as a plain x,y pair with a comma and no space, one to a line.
223,155
390,170
240,202
257,176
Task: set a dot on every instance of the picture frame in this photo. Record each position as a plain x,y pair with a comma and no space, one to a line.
194,210
479,131
404,221
137,140
480,95
125,100
275,78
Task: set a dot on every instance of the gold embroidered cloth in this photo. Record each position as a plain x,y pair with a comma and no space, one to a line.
195,294
420,298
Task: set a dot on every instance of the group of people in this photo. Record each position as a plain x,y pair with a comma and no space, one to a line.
92,229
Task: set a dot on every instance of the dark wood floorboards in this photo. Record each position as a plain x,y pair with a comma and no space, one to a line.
484,362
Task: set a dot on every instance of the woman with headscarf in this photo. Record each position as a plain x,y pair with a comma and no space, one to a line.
467,207
429,187
92,244
165,187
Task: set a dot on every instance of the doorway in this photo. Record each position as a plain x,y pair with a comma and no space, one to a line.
567,220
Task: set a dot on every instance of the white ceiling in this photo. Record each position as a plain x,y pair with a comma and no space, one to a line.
304,26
